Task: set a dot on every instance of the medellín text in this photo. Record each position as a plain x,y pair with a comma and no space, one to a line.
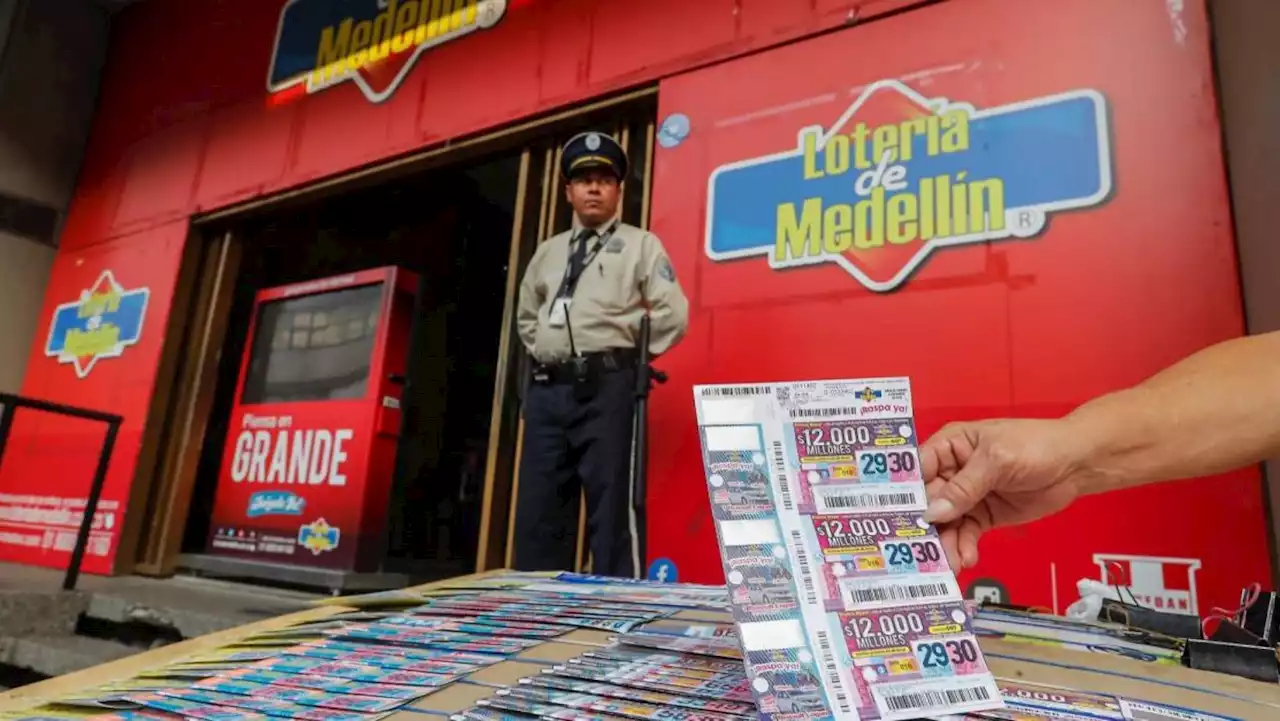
887,209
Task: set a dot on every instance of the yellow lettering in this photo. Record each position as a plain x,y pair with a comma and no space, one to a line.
868,221
332,54
837,223
885,140
943,189
455,18
384,27
439,24
955,136
901,225
87,343
837,155
926,208
810,145
406,20
859,135
960,205
802,236
986,201
361,36
911,128
98,304
425,10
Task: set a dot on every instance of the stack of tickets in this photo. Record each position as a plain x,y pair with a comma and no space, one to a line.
517,647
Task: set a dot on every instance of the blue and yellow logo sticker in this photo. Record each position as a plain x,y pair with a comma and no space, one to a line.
275,503
318,536
373,43
899,176
105,320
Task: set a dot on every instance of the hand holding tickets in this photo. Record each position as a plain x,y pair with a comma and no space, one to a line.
1215,411
995,473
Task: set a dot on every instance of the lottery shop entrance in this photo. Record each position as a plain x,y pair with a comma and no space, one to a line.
464,223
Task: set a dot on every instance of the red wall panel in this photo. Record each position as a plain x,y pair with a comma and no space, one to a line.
54,457
185,125
246,151
1103,297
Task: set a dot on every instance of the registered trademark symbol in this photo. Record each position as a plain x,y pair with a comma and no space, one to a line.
1025,223
490,12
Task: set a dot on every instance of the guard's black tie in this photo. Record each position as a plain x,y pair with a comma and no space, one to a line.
578,257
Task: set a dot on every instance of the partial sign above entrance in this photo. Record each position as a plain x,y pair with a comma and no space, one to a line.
374,43
898,176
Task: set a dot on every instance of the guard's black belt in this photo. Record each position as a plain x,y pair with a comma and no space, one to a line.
577,369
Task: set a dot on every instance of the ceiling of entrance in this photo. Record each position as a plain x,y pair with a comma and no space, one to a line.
114,5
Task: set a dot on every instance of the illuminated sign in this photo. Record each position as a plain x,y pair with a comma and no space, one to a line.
104,321
899,176
373,43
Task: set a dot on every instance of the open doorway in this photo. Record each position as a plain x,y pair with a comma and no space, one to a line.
452,228
466,220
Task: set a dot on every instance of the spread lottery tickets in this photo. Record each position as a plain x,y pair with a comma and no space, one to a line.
844,602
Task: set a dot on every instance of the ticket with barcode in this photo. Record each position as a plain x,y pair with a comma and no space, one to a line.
891,653
855,465
818,498
876,560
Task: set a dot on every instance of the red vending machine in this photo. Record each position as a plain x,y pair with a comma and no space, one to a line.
307,469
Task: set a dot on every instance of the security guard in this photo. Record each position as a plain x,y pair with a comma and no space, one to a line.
581,303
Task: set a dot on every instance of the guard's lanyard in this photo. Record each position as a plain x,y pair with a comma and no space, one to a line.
573,271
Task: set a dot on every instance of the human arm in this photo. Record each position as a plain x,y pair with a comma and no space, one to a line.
530,301
1214,411
668,306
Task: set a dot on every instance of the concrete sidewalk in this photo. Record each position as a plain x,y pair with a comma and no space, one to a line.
50,632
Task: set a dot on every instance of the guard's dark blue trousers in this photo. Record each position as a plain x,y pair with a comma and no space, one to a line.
572,445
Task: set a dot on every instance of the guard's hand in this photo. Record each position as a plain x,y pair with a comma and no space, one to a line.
995,473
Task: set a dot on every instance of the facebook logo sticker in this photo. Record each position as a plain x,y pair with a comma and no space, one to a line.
663,570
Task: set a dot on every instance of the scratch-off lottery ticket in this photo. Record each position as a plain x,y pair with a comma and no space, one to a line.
818,499
876,559
851,465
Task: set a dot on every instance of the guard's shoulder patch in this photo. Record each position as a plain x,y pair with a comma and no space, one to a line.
666,270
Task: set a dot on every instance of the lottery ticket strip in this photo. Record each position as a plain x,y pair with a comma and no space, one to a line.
563,646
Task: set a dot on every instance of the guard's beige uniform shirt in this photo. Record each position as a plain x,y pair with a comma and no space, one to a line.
631,271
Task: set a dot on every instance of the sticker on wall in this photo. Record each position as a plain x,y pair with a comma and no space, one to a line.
663,570
987,590
899,176
373,43
1161,584
102,323
318,536
674,130
275,503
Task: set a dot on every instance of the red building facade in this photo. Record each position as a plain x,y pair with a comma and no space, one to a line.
1085,137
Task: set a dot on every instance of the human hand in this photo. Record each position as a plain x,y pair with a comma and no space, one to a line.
985,474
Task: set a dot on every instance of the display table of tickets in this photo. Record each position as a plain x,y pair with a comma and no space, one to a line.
520,646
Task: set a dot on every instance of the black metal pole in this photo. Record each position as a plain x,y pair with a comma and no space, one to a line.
646,376
8,408
91,507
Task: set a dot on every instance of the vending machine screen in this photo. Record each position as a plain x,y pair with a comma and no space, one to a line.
314,347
